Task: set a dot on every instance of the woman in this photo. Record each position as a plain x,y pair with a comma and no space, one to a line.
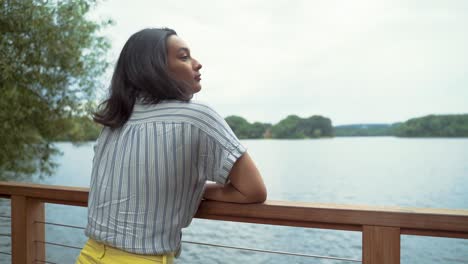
156,152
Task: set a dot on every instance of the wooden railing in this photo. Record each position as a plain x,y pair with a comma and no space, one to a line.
381,227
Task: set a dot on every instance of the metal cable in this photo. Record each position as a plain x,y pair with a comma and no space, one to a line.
7,235
43,261
56,224
5,216
231,247
37,260
274,252
204,244
57,244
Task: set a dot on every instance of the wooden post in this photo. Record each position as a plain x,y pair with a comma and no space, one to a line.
380,245
24,230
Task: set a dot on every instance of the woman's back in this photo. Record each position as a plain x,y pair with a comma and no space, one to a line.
148,175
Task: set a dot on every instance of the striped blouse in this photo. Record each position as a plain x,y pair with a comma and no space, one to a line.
148,176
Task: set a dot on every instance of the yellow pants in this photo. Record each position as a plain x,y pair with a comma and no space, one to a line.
96,253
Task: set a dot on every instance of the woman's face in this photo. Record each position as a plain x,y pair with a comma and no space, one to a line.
182,65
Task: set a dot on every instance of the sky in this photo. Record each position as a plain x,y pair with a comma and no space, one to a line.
352,61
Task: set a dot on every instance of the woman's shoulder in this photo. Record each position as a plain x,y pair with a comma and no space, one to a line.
201,111
208,120
189,111
175,104
199,115
203,108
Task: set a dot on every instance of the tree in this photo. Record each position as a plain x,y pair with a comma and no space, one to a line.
288,128
257,130
295,127
51,57
434,126
239,126
243,129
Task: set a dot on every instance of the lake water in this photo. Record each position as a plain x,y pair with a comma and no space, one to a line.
365,171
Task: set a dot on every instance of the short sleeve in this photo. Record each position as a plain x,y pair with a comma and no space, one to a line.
221,160
219,148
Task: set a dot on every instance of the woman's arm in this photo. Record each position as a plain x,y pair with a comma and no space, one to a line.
245,186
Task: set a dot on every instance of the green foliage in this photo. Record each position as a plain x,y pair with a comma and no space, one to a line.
295,127
258,130
50,60
79,128
427,126
365,130
243,129
239,125
435,126
290,127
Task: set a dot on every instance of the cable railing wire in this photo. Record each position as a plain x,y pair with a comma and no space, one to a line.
5,235
58,244
44,261
57,224
37,260
231,247
207,244
274,252
5,216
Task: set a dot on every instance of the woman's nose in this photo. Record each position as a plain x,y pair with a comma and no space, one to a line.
197,65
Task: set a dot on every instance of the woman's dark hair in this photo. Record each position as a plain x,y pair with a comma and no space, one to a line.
141,72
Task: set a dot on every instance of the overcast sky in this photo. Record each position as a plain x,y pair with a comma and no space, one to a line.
352,61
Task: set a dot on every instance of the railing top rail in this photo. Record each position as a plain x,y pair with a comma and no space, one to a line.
48,193
439,222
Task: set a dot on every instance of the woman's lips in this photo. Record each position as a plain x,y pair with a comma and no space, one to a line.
198,77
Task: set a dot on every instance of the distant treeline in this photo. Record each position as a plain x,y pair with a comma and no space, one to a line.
366,130
292,126
318,126
434,126
427,126
84,129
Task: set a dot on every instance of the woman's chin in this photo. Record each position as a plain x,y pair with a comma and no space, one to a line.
196,88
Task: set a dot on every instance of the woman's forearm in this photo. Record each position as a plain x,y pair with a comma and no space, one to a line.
228,193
